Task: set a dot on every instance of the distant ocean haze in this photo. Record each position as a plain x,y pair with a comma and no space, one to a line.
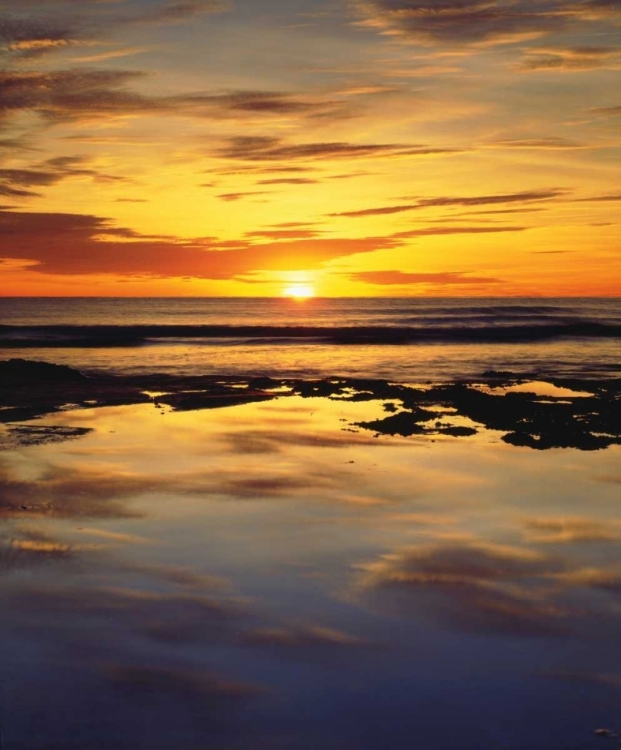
391,338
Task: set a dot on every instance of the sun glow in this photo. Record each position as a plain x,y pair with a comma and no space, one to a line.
299,291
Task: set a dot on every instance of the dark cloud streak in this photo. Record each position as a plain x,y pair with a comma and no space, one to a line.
265,148
447,201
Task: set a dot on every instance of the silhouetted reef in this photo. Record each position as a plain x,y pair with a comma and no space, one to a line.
33,389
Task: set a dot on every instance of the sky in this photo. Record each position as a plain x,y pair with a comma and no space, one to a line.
348,148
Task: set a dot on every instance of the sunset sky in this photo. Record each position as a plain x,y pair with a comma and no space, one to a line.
354,147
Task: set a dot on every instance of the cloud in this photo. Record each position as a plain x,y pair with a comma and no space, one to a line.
82,244
31,29
235,103
229,197
606,111
570,530
570,59
482,587
293,225
599,198
381,211
30,37
178,11
289,181
525,196
389,278
64,493
13,180
536,143
16,182
493,211
109,55
266,148
66,94
91,94
258,441
440,231
259,169
608,581
269,486
463,23
284,234
19,143
27,548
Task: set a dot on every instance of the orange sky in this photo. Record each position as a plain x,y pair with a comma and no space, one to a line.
354,147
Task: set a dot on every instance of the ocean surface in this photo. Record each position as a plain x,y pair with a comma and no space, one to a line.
435,568
400,339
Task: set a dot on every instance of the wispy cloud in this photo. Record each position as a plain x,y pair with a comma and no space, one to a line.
614,111
61,23
113,54
91,94
439,231
599,198
526,196
481,22
230,197
550,143
570,59
571,530
390,278
283,234
484,587
267,148
30,36
289,181
17,183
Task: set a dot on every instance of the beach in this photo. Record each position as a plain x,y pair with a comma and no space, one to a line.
222,560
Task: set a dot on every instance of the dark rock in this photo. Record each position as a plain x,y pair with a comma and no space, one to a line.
262,384
23,371
196,401
457,431
405,423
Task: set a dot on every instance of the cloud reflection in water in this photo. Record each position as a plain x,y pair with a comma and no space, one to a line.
262,577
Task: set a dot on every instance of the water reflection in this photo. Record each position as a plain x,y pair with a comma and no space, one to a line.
265,577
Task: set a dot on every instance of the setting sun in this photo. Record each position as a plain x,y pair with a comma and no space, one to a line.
299,291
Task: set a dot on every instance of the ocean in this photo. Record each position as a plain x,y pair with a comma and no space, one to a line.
339,564
399,339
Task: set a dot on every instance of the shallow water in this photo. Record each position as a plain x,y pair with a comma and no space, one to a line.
272,576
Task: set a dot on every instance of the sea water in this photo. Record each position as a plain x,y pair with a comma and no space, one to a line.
401,339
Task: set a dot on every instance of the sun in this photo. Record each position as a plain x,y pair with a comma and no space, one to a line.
299,291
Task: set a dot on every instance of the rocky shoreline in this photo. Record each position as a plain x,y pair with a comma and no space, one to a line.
581,414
